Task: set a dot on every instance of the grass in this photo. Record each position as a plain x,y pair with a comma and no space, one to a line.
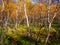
14,35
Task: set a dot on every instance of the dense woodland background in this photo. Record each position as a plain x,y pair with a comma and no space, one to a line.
29,22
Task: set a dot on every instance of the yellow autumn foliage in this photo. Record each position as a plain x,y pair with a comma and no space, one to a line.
12,5
52,8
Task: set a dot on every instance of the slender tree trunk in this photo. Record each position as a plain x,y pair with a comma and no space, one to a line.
16,25
16,19
50,23
7,17
27,20
26,14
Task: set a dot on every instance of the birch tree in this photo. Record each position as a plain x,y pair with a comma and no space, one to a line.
48,19
26,16
7,15
16,14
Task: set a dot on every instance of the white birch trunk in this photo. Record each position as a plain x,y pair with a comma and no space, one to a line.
26,13
7,18
16,19
2,5
49,23
16,14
